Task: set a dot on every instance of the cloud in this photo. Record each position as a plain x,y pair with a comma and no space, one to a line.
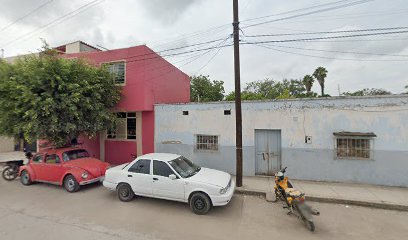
165,11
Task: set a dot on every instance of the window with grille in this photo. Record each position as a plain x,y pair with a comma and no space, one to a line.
354,147
118,71
125,126
207,142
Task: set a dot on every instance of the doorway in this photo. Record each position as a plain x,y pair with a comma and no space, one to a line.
267,151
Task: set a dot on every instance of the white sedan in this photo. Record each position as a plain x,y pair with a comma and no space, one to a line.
171,177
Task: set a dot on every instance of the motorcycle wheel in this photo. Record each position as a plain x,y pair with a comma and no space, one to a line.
279,196
9,174
306,220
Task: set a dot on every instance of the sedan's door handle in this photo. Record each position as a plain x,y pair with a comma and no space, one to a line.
129,175
155,179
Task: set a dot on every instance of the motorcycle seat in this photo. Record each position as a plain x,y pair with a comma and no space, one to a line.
294,193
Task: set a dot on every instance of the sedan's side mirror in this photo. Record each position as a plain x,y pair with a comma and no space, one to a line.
172,176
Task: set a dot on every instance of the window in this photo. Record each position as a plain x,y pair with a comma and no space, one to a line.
227,112
141,166
118,71
125,126
185,112
38,158
207,142
53,158
354,145
74,154
161,169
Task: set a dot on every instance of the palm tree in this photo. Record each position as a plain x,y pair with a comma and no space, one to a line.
308,82
320,74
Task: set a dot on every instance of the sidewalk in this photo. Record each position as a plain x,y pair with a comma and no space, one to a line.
395,198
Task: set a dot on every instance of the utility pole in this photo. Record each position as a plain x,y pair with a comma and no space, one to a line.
238,113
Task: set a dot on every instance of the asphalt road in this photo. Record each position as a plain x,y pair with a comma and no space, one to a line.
43,212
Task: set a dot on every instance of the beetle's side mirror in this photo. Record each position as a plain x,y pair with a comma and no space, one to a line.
172,176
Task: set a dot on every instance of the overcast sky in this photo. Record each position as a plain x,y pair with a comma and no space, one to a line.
164,24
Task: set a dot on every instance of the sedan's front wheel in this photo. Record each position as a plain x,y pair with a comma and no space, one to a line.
125,192
200,203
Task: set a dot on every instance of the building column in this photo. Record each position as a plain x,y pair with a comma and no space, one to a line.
139,144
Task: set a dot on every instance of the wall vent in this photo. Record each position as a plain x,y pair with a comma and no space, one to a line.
185,112
227,112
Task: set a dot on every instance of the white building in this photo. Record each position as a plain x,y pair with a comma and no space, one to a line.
344,139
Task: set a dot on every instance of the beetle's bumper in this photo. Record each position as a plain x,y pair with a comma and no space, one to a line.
224,199
93,180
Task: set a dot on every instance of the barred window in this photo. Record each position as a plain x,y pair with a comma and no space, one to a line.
125,126
353,148
207,142
118,71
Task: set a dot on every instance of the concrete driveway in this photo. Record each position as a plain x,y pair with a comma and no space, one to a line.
42,211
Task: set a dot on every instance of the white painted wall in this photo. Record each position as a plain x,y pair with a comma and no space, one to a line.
386,116
6,144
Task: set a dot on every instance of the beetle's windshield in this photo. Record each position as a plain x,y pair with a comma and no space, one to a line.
74,154
184,167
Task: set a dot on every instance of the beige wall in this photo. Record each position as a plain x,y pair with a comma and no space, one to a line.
6,144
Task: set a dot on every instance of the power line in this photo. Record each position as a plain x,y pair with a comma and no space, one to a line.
328,32
330,37
56,21
296,10
310,13
345,52
25,15
332,58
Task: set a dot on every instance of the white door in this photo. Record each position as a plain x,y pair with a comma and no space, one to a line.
163,186
140,178
268,151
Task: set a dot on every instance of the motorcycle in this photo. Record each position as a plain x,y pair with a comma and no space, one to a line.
10,171
294,200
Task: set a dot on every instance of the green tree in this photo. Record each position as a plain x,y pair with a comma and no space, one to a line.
308,82
202,89
367,92
320,74
55,99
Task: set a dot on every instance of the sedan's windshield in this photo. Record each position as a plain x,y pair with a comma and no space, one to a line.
184,167
74,154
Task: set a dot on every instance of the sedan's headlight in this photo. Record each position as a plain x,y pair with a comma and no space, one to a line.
223,190
84,175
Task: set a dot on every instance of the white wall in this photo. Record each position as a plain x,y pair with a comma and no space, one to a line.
386,116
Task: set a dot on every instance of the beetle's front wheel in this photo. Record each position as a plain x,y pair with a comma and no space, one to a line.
71,184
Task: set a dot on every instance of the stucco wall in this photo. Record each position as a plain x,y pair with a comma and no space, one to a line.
386,116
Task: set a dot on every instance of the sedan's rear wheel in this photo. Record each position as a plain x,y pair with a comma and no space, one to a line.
125,192
25,178
71,184
200,203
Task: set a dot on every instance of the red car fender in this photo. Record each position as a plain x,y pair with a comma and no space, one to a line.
29,170
76,172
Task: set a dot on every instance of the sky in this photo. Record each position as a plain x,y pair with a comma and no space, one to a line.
352,63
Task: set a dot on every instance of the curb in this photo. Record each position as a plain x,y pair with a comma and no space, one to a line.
387,206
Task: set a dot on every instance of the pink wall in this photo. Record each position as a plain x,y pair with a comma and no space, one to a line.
150,79
91,145
148,132
118,152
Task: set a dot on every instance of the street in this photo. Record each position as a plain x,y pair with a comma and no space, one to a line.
42,211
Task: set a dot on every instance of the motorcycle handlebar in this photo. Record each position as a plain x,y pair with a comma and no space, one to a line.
283,169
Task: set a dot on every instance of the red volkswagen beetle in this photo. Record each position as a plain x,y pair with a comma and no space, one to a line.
68,167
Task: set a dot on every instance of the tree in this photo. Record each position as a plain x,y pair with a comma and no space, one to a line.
202,89
270,89
367,92
308,82
320,74
55,99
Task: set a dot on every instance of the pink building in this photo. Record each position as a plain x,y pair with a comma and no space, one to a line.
146,79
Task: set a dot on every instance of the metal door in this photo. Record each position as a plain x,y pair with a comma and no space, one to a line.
267,151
